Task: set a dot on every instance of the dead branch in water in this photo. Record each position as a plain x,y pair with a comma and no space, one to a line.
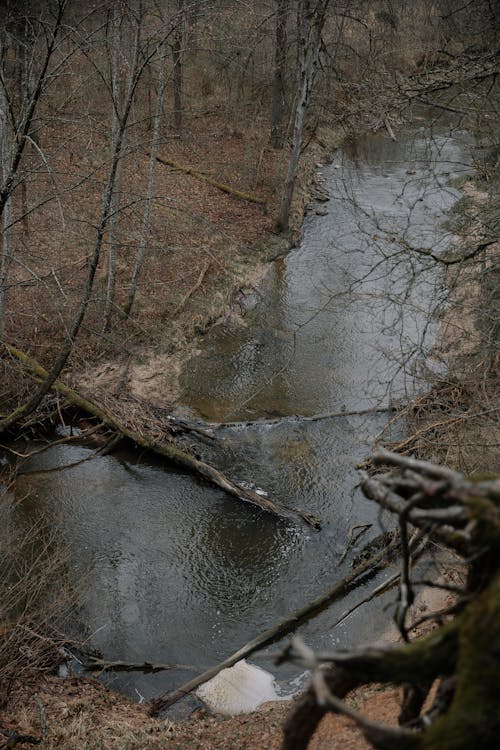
168,450
287,419
276,632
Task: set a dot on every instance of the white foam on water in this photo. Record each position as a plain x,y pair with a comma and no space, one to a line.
239,689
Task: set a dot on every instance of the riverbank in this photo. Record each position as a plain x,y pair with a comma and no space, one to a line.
457,421
71,712
82,713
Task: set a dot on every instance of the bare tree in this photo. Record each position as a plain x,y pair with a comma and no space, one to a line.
157,124
4,161
117,147
116,104
15,134
177,59
280,56
311,20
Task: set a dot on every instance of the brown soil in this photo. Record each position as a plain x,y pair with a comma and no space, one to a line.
82,713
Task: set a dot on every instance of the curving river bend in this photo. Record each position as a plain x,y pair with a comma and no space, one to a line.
170,570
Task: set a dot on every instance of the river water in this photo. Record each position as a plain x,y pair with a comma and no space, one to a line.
168,569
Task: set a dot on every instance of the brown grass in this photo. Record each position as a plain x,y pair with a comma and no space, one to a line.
33,599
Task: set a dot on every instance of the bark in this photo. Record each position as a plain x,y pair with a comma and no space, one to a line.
157,123
278,102
177,50
311,19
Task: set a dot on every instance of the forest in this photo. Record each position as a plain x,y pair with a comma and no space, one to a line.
249,316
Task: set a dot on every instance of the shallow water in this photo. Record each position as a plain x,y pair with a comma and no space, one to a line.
169,569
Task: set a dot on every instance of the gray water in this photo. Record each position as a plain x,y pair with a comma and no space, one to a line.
169,569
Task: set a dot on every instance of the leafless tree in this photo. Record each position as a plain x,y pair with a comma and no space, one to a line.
280,58
155,137
311,20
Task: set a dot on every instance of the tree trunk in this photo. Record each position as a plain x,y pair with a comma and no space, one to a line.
116,94
4,161
157,123
311,19
278,104
177,50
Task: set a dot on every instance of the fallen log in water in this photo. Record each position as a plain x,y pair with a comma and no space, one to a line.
168,450
209,427
276,632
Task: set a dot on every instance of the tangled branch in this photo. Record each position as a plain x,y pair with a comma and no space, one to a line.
463,654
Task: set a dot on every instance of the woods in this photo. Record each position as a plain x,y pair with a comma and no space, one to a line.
160,165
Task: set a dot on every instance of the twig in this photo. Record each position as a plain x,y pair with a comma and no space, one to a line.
350,541
193,289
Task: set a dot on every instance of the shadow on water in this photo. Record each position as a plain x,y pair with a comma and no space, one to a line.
170,569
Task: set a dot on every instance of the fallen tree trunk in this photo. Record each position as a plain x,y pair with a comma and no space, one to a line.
276,632
220,185
168,450
291,418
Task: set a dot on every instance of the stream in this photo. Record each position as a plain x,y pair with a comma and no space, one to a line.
168,569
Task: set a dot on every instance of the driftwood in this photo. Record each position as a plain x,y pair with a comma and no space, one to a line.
95,664
167,450
220,185
276,632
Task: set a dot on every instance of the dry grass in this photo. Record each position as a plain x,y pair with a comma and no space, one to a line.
33,599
